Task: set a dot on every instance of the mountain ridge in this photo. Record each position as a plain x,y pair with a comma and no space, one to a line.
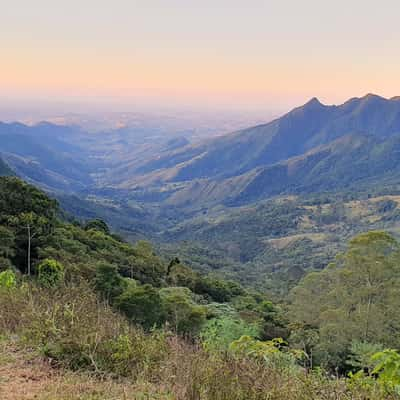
302,150
267,147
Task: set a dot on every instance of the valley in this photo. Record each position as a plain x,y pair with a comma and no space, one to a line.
261,205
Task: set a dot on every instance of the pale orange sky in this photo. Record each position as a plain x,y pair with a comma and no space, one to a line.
248,54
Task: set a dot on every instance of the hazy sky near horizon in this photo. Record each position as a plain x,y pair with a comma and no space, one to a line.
234,53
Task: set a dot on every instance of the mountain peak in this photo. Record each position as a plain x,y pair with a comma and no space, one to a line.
311,105
372,96
314,102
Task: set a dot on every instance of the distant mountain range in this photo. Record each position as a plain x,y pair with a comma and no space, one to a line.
263,204
44,155
313,147
70,159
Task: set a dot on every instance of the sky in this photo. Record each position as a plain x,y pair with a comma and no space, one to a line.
253,54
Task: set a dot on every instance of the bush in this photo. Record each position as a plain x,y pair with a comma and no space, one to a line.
219,333
50,273
74,329
182,313
8,279
142,304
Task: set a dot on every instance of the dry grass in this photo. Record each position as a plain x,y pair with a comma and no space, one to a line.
26,376
88,359
283,242
188,375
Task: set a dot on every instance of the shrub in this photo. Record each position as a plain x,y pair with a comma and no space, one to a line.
142,304
8,280
182,313
73,328
219,333
50,273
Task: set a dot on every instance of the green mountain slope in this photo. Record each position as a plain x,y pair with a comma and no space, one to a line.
272,244
294,134
5,170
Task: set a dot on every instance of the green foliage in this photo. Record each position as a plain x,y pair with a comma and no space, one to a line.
50,273
18,197
143,264
142,304
219,333
99,225
274,353
182,313
388,368
108,281
361,355
7,242
355,298
8,279
179,274
218,290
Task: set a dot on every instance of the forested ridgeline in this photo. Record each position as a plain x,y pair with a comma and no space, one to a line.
85,300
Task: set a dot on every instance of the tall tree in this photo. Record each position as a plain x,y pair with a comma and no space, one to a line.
356,298
34,225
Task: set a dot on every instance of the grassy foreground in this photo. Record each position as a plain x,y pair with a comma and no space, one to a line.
57,345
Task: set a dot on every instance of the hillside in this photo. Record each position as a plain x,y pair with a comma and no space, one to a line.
222,203
5,170
44,154
272,244
301,130
71,159
86,315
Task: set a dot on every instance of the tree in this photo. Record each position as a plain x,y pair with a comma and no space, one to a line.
7,249
108,281
174,261
18,197
355,298
185,316
34,225
180,275
50,273
142,304
219,290
143,264
98,225
7,242
361,355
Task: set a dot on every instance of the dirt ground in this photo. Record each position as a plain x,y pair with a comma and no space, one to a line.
22,375
26,376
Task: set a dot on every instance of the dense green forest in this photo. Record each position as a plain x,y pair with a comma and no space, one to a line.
81,297
272,244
